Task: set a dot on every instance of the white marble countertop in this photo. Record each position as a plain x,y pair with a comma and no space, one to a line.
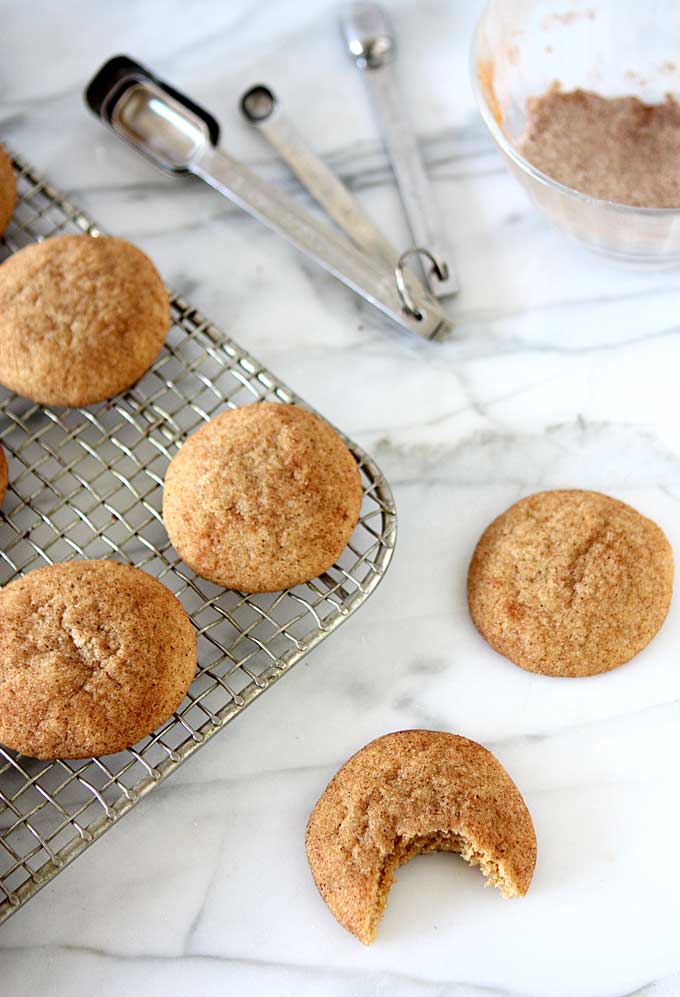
562,372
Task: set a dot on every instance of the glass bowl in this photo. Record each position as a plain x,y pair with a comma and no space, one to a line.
521,48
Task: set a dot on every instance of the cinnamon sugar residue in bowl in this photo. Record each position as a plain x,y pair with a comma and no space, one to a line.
617,149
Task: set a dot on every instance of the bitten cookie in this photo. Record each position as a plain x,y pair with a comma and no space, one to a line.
570,583
81,319
94,655
261,498
4,475
8,190
410,792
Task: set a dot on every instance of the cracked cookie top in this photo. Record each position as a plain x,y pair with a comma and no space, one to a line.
570,583
94,655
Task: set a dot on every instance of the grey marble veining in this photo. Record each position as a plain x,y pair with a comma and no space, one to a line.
562,372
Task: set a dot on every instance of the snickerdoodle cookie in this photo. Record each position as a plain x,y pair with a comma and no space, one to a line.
410,792
4,475
8,190
570,583
81,319
93,656
261,498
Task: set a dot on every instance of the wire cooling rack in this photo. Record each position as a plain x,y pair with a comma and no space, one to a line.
87,483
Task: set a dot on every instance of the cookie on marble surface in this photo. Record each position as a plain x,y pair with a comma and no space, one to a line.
4,475
410,792
81,319
570,583
261,498
8,190
94,655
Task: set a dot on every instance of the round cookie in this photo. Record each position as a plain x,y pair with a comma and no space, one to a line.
406,793
261,498
4,475
81,319
570,583
94,655
8,190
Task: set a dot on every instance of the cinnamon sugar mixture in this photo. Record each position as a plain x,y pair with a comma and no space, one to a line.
618,149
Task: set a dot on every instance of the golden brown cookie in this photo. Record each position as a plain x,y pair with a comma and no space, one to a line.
81,319
4,475
8,190
261,498
410,792
570,583
94,655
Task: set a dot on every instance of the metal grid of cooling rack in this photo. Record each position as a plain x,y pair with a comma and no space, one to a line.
87,483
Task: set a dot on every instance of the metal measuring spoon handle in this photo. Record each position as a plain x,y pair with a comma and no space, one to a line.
181,138
262,109
372,45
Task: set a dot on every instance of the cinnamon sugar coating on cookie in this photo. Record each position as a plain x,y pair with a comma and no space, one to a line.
81,319
570,583
262,497
94,655
410,792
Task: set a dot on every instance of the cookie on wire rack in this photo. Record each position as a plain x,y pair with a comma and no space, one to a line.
8,190
81,319
262,497
94,655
